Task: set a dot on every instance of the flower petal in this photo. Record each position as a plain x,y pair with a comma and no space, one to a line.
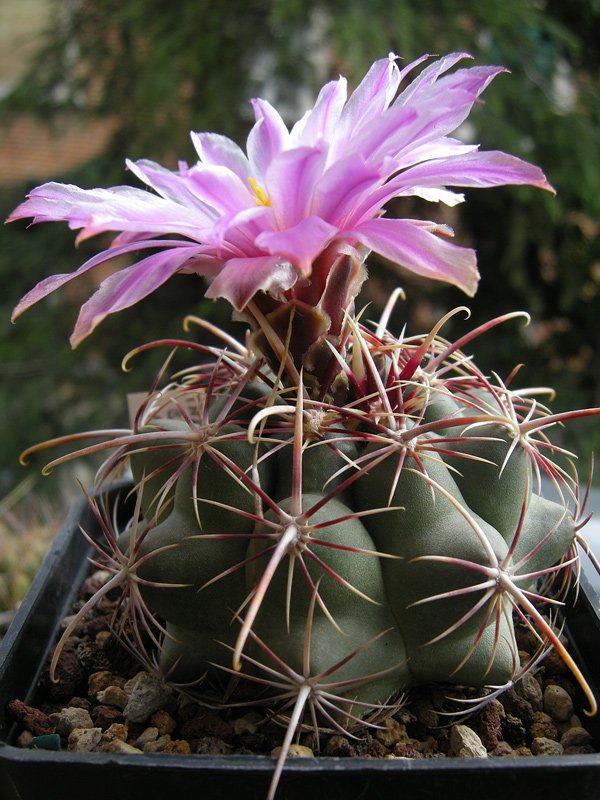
50,284
434,110
241,278
370,99
216,150
480,169
301,244
475,169
127,287
442,147
390,141
418,249
342,188
218,187
435,195
321,121
121,208
428,76
170,185
268,137
235,232
290,182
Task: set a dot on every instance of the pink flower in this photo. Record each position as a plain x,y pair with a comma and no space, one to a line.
257,221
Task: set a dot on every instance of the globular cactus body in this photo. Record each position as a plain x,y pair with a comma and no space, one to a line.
324,558
408,534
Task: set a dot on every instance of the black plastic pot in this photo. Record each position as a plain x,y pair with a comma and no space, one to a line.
34,774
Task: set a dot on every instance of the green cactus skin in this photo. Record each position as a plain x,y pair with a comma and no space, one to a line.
320,466
547,526
494,487
428,524
153,464
358,619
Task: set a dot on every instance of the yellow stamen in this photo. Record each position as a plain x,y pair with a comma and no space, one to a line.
261,197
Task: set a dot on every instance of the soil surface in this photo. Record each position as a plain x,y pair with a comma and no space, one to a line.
105,702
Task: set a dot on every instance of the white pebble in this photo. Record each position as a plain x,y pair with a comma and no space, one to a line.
557,703
465,743
71,718
83,740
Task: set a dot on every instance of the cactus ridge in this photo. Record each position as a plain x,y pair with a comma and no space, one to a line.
320,547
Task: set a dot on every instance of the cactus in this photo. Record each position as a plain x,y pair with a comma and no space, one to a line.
326,514
425,533
341,554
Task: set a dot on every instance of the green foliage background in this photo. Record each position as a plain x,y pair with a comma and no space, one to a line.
165,68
